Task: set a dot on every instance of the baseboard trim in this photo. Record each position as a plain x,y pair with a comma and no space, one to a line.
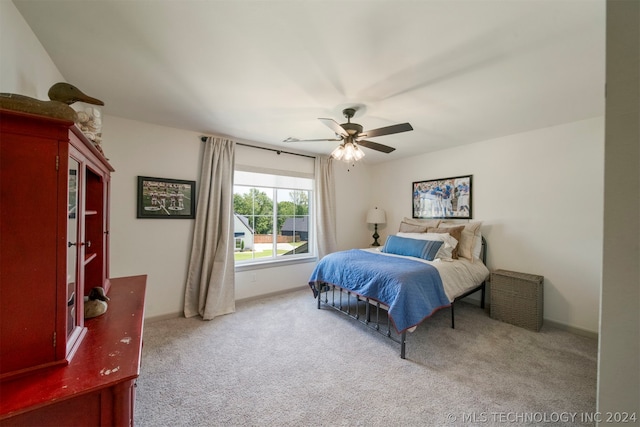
271,294
473,299
572,329
163,317
238,301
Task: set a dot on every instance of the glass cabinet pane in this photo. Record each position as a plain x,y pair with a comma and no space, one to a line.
72,246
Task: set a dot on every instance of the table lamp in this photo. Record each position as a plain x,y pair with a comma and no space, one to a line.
376,216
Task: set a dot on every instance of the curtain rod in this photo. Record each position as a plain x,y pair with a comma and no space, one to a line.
204,138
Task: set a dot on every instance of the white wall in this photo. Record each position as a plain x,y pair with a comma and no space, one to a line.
353,193
619,355
157,247
25,67
539,195
161,247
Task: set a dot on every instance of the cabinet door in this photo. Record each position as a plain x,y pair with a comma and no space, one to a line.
95,229
74,305
29,186
93,216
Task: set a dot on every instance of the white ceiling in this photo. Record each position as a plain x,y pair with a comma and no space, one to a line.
458,71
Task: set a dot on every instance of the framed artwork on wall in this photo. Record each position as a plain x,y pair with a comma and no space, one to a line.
166,198
446,198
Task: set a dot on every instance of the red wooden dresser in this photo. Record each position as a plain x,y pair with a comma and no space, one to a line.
97,388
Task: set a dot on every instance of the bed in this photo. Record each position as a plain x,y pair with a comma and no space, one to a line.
394,288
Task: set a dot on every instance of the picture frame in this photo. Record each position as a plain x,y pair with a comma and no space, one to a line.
444,198
166,198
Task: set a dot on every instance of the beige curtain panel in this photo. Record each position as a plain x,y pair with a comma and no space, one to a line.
210,288
325,206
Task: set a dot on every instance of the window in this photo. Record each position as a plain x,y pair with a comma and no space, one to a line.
273,217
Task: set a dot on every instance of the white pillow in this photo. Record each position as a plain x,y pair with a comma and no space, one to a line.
444,251
477,248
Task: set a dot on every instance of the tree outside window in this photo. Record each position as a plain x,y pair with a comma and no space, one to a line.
270,222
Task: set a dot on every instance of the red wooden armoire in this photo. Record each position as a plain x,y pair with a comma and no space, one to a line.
54,248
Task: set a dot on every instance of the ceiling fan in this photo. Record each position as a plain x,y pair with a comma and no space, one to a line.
352,137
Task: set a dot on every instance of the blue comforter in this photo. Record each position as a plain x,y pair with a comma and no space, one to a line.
411,289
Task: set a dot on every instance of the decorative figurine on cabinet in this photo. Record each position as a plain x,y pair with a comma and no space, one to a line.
62,95
96,303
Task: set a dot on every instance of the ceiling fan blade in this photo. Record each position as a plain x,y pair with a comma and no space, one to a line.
334,126
375,146
291,139
403,127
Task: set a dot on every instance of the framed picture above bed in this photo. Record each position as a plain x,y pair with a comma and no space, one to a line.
166,198
443,198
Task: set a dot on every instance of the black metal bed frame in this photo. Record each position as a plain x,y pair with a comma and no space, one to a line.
355,311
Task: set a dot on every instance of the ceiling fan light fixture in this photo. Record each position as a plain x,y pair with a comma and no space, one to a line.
348,152
351,135
338,153
357,153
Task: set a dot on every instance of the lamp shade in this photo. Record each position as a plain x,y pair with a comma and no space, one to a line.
376,216
348,152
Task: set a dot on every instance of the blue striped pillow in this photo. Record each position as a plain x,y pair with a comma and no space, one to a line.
425,249
431,249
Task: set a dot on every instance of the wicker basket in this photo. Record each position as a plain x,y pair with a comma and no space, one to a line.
517,298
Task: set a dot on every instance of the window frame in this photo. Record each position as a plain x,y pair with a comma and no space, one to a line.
279,260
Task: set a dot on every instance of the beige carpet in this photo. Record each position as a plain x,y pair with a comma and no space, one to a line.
280,361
